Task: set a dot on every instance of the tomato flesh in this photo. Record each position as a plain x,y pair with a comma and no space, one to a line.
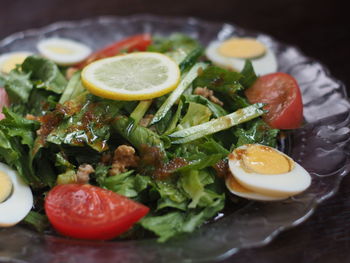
90,212
130,44
282,96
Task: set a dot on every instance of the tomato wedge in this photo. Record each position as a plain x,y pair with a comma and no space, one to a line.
90,212
130,44
282,95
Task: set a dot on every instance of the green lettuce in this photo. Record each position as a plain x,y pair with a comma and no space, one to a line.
16,142
195,115
89,126
256,131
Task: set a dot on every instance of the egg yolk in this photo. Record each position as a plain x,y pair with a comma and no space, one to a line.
265,160
10,63
5,186
60,50
242,48
235,186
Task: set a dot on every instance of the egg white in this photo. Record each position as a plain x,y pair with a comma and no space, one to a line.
262,65
252,195
79,51
20,201
5,57
278,185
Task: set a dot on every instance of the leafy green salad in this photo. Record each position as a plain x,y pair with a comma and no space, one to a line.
169,153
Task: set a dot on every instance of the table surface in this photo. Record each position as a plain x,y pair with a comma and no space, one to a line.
320,28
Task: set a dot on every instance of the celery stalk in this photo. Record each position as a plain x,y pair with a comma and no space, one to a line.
140,110
216,125
175,95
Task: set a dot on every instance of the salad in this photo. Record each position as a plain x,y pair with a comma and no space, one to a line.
149,136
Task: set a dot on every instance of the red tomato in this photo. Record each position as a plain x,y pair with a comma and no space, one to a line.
4,101
90,212
133,43
281,93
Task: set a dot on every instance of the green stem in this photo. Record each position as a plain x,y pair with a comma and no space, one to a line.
140,110
175,95
216,125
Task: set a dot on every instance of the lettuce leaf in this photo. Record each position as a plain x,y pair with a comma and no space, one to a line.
248,73
220,80
34,86
195,115
178,47
217,110
176,222
16,142
44,73
256,131
18,86
127,184
90,126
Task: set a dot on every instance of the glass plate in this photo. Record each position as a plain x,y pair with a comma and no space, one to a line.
321,146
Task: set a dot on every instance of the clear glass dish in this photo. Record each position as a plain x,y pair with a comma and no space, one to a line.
321,146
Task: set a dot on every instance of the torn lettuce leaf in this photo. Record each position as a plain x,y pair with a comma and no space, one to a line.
216,109
256,131
220,80
174,223
196,114
44,73
128,184
34,87
18,86
178,47
16,142
90,125
248,73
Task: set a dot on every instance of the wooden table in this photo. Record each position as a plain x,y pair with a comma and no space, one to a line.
320,28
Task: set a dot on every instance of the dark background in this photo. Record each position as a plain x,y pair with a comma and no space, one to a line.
321,29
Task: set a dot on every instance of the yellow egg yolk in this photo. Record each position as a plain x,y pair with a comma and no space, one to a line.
265,160
244,48
5,186
11,62
235,186
60,50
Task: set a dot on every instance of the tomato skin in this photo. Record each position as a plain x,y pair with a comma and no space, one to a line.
281,93
90,212
133,43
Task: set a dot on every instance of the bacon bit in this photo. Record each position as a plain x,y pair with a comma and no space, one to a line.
124,157
209,94
222,169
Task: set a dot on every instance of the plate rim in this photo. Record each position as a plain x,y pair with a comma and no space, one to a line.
191,19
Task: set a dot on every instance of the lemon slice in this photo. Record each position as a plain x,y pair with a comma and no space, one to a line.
135,76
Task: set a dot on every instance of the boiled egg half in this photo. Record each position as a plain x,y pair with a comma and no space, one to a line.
9,61
63,51
16,198
263,173
232,54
